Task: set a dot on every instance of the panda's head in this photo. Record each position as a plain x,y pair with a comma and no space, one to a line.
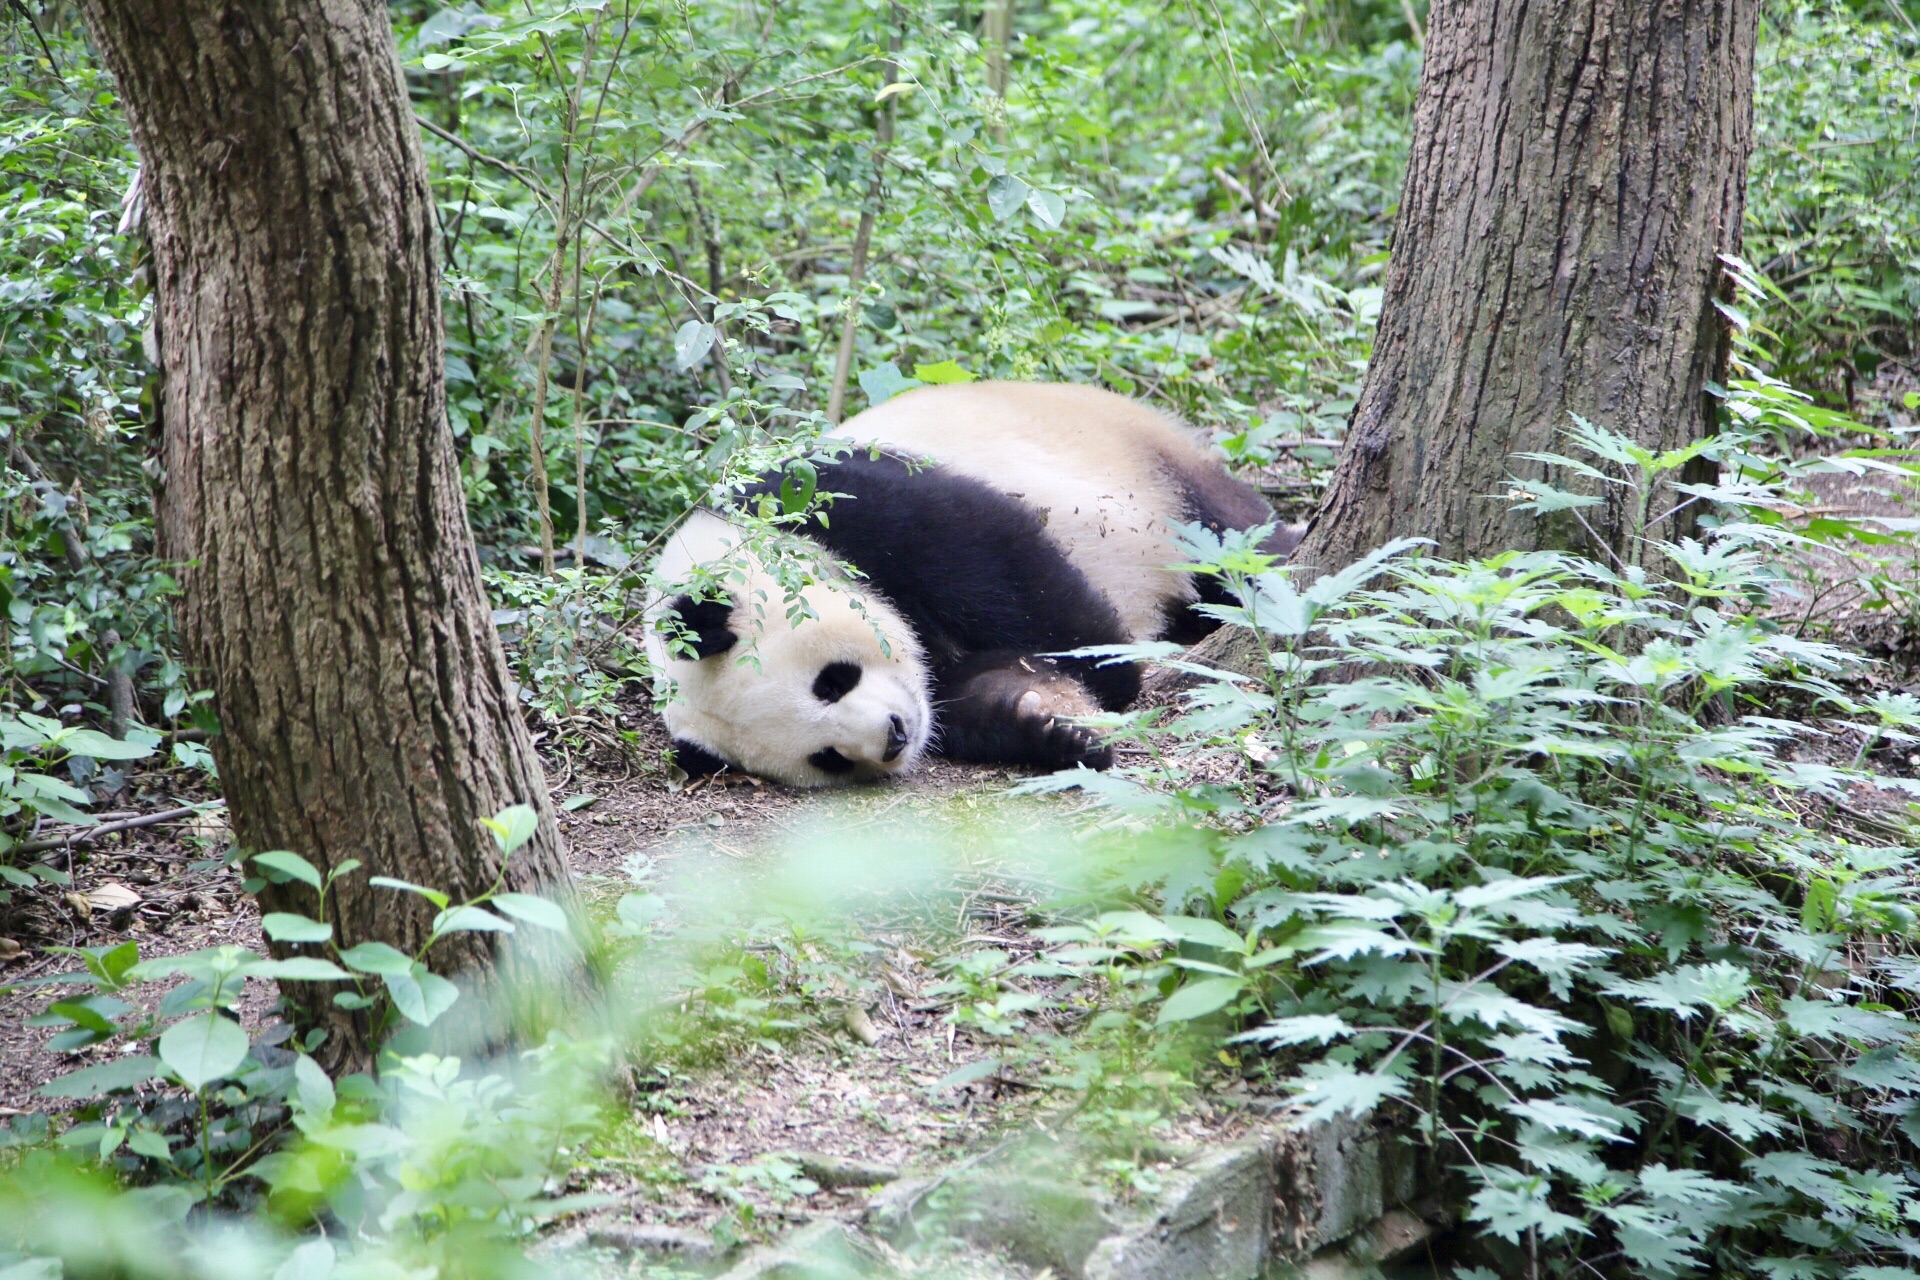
829,693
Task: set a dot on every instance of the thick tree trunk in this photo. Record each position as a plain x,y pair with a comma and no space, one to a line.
1577,169
331,593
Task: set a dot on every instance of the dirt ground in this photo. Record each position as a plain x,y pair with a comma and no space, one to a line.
689,1156
737,1146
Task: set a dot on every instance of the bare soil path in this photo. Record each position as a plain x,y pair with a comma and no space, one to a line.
720,1135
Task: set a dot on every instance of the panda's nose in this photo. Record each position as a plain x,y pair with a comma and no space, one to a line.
896,738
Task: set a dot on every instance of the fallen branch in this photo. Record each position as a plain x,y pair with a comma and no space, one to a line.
87,834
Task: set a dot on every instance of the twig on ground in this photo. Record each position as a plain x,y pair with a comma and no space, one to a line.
85,835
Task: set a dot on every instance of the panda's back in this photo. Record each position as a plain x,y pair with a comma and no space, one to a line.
1106,475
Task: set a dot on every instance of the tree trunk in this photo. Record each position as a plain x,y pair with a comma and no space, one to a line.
331,594
1577,169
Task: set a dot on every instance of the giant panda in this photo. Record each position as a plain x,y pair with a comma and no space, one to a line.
993,524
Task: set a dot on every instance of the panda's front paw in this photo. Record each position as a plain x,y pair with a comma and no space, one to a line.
1084,747
1015,708
1060,744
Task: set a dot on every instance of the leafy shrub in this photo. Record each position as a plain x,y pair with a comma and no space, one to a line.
30,748
1831,209
1553,876
76,554
434,1161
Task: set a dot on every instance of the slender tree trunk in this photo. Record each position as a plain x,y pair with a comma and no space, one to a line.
997,29
331,594
1577,169
862,244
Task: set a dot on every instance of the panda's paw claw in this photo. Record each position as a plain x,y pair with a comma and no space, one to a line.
1069,745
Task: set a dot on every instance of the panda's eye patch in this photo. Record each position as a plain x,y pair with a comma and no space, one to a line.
836,681
827,760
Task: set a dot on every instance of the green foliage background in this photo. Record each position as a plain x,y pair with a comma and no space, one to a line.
652,208
1189,203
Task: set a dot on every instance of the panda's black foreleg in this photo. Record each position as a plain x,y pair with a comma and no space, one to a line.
1015,708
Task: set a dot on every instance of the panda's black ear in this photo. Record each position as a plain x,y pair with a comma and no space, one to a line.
701,624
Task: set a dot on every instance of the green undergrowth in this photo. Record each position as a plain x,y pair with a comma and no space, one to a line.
1565,873
188,1145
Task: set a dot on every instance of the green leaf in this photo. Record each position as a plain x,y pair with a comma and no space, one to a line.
419,995
886,382
1308,1028
469,919
1885,1068
1687,1186
533,909
33,1269
1819,910
1498,891
691,344
312,1087
512,827
1335,1088
115,964
797,486
147,1143
573,804
1568,1118
312,1259
943,373
1005,195
1510,1212
1047,208
639,909
98,746
434,896
1345,939
376,957
191,755
107,1077
78,1013
57,809
284,926
299,969
1198,999
203,1048
291,865
1134,926
1205,933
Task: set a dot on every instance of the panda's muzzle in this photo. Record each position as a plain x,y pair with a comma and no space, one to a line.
896,739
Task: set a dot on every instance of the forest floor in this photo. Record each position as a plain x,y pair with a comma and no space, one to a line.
733,1137
868,1068
722,1134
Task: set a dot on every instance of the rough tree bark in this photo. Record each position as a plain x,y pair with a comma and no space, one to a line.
332,593
1577,169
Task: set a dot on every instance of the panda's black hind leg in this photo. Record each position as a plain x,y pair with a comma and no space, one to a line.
1014,708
